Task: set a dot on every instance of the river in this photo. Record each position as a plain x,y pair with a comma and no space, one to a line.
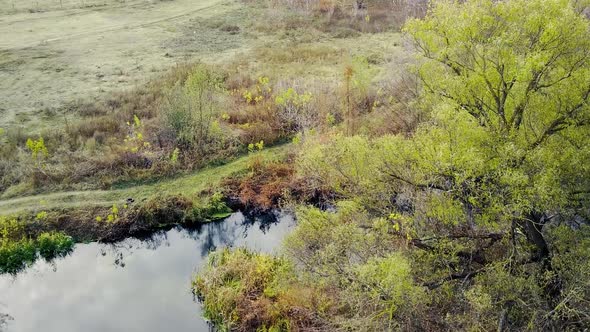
133,285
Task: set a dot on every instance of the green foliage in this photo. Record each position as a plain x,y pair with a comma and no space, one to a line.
136,121
113,216
290,98
362,75
237,284
297,139
345,165
37,148
252,147
11,229
216,207
389,285
357,97
15,256
349,253
572,263
51,245
512,111
18,250
135,141
192,109
174,156
261,91
526,79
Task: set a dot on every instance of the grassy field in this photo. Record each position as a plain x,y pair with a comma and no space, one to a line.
78,74
51,60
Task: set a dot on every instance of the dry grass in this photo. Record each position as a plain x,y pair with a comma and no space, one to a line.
263,188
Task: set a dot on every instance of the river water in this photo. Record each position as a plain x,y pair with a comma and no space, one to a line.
133,285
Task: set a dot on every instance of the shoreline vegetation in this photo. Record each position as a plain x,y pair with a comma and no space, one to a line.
434,154
25,235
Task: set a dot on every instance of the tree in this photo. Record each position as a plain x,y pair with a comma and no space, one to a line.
511,81
520,68
191,110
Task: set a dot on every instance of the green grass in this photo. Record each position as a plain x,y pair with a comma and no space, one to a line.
188,185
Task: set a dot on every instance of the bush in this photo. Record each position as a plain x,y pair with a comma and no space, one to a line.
216,207
245,291
18,249
15,256
295,110
192,109
51,245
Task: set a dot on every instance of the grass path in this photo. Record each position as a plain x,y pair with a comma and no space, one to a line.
186,184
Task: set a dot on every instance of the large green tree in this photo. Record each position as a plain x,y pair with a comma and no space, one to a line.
521,69
512,79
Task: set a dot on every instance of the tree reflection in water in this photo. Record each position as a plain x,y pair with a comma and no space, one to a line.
209,236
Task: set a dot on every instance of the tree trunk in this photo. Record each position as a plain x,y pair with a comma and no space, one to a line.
533,227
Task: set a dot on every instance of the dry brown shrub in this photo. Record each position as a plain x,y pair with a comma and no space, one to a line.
262,189
238,80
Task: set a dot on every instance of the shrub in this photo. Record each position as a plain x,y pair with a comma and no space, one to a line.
295,110
37,148
15,256
216,208
246,291
18,249
191,111
51,245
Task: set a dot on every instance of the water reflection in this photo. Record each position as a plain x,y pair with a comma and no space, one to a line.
133,285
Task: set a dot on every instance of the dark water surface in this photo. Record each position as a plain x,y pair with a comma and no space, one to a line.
134,285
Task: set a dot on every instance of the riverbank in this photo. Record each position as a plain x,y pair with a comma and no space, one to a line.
115,215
